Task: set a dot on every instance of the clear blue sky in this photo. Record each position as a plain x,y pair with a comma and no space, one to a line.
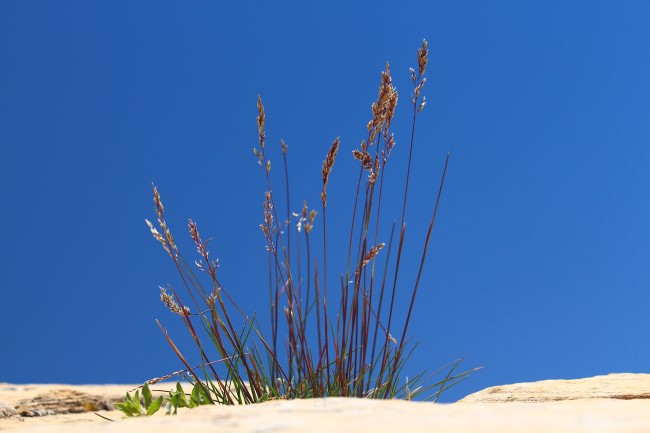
539,265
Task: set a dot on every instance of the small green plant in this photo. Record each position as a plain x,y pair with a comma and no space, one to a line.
178,398
325,339
133,407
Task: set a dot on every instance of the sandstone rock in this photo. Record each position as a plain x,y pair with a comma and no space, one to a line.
63,401
7,411
624,386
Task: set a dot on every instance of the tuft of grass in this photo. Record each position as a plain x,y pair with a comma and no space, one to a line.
325,338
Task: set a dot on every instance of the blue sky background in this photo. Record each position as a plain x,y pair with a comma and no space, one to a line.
539,265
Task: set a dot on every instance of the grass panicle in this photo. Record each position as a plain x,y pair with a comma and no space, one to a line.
325,339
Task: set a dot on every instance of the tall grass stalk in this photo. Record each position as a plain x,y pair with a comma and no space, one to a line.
329,342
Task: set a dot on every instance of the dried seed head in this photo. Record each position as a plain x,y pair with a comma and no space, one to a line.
155,233
369,256
424,101
390,143
385,76
374,171
302,220
364,157
260,121
419,87
168,234
169,301
423,57
258,155
310,224
202,249
267,227
284,147
327,167
168,240
390,110
194,233
211,299
384,108
160,209
268,208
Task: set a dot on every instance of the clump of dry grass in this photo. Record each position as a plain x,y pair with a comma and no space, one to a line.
350,347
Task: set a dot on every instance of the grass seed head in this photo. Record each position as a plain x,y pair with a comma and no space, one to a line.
384,108
374,171
169,301
155,233
371,255
327,167
364,157
160,209
260,121
389,147
424,101
390,110
194,234
168,240
310,223
423,57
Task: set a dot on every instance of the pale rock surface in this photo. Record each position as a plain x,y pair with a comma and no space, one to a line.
22,405
63,401
623,386
359,415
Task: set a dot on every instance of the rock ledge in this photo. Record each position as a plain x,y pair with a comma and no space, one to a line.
621,386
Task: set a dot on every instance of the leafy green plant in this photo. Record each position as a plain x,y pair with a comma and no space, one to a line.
178,398
132,406
325,339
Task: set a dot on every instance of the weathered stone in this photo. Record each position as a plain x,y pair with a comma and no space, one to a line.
63,401
624,386
7,411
